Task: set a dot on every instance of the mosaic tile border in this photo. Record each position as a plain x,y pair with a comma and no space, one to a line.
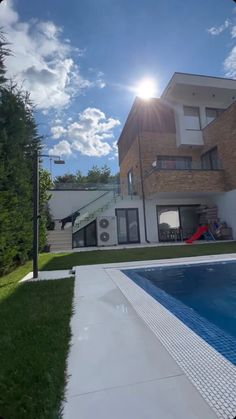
212,374
217,338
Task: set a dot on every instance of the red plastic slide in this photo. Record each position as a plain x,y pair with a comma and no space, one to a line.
197,235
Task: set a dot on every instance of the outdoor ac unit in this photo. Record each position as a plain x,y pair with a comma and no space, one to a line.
106,231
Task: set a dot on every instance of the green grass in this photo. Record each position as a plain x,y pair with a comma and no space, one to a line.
34,326
34,341
50,261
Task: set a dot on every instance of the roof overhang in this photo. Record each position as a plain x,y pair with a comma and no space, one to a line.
204,88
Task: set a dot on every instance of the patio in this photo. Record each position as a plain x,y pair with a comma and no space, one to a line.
117,365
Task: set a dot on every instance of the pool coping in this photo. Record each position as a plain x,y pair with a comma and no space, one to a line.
212,374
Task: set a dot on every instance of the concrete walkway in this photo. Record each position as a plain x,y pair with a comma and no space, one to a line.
117,367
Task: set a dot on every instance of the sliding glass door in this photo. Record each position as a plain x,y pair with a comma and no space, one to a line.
127,225
168,224
176,223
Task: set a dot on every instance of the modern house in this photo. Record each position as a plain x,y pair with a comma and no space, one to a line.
177,157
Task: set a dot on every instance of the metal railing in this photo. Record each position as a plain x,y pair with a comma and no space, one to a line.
114,187
90,211
182,165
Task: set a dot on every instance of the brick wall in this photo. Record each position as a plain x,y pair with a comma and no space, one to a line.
222,133
131,162
151,146
184,181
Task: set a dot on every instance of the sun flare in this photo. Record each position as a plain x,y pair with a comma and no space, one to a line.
146,89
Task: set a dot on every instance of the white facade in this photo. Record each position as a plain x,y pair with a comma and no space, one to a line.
202,92
226,203
64,202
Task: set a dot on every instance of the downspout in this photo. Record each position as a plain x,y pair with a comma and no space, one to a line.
142,189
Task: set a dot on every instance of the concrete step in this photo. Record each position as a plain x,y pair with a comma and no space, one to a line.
60,248
60,240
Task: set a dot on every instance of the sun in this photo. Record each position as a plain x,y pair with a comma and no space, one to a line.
146,89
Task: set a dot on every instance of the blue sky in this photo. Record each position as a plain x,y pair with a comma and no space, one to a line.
82,59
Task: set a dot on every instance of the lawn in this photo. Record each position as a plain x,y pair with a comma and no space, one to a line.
34,327
34,342
50,261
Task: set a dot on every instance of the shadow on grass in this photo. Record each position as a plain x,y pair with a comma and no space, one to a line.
34,342
68,260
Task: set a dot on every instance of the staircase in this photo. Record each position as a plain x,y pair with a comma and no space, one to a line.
60,240
89,212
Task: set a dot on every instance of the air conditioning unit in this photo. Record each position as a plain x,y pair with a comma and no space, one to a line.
106,231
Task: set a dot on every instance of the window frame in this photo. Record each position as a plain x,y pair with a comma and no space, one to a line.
211,161
163,158
130,185
219,111
199,117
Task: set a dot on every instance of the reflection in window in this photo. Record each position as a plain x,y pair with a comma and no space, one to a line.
212,114
174,162
130,182
192,118
210,160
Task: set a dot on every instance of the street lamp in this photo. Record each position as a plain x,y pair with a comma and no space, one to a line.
36,214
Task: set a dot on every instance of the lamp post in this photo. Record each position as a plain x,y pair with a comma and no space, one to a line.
36,215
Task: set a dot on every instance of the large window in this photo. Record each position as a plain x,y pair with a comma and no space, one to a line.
210,160
174,162
192,118
212,114
176,223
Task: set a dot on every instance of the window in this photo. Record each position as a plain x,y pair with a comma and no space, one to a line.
130,179
127,225
210,160
192,118
212,114
174,162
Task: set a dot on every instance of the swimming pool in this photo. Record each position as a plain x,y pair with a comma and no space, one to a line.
203,296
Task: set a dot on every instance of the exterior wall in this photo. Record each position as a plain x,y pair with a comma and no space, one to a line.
130,203
222,133
153,145
131,161
151,213
226,204
193,138
184,181
65,202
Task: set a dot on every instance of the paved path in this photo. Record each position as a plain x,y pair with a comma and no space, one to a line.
117,367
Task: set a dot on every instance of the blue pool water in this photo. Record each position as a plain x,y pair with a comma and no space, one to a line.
203,296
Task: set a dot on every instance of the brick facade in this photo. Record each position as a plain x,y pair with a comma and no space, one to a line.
221,133
184,181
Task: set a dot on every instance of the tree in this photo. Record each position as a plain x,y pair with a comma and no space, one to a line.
66,178
19,141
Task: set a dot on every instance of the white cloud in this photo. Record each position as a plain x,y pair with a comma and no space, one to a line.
233,32
42,60
57,132
89,134
217,30
230,64
63,148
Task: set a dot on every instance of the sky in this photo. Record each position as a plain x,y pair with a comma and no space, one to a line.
81,61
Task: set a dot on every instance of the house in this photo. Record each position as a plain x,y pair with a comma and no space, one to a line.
177,158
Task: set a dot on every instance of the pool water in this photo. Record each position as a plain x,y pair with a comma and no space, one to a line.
203,296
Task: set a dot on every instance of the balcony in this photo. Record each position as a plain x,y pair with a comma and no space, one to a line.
193,179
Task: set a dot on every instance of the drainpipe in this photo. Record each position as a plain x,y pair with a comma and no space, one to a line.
142,189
